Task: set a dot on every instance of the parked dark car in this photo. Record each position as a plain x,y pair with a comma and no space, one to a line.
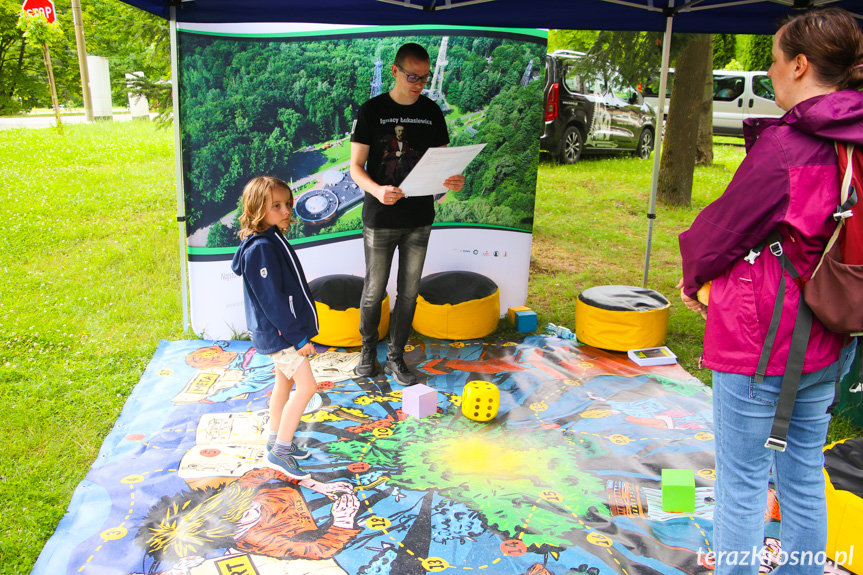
590,116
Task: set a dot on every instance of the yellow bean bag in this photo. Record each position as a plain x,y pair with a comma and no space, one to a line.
457,305
843,474
620,318
337,301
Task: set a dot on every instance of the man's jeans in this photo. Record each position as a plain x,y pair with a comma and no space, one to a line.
742,417
379,246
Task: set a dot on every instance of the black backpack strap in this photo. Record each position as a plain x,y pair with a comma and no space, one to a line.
775,244
791,379
796,352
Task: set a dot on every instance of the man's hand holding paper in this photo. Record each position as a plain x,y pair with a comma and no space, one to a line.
424,179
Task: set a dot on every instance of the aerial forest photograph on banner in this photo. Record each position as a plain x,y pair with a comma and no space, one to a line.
284,105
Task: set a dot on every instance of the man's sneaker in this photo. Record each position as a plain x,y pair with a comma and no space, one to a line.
400,372
289,465
368,366
296,452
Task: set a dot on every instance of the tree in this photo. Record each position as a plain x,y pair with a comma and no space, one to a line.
157,93
681,132
23,76
13,79
39,32
133,41
704,147
757,53
580,40
723,50
634,56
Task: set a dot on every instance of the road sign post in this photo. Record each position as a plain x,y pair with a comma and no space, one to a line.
45,9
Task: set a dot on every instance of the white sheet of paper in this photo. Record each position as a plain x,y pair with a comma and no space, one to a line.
436,165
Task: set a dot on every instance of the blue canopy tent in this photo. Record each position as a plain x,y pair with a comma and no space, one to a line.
694,16
737,16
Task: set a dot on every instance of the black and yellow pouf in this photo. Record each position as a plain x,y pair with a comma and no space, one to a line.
620,318
457,305
337,300
843,474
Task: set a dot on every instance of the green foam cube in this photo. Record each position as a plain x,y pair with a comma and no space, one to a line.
678,491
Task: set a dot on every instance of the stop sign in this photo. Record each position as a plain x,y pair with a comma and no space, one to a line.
43,7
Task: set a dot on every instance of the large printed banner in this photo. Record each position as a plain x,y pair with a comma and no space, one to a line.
281,99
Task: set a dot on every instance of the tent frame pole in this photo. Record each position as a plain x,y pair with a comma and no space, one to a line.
658,137
178,168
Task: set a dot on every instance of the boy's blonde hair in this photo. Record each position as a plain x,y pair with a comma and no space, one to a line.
257,197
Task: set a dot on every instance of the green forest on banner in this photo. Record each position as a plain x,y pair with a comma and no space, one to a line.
285,107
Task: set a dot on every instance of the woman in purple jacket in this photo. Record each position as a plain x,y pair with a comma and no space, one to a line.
789,182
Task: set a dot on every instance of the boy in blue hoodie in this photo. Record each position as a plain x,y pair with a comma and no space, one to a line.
280,312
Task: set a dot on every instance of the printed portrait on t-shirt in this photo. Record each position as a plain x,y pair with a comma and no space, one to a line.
399,157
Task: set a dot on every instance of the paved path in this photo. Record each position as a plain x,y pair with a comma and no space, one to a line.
49,121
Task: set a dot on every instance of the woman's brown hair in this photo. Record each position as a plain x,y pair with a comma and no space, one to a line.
832,42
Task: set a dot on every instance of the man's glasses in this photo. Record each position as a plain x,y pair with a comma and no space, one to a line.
414,78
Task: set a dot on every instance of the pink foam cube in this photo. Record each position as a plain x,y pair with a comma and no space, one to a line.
419,400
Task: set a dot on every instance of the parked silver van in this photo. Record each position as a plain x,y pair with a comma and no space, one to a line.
736,96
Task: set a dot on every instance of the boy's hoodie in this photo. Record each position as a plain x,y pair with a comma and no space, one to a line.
280,309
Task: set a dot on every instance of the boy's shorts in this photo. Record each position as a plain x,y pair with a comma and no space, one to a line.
287,361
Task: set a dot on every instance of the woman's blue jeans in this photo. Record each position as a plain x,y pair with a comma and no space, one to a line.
379,246
742,417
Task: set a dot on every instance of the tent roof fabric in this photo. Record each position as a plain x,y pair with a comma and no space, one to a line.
704,16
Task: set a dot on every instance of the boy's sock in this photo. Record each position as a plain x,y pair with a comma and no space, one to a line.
282,448
272,437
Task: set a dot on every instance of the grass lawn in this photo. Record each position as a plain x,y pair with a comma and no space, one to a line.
89,255
590,229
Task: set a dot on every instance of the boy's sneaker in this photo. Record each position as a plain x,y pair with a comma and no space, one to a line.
296,452
400,372
368,362
289,465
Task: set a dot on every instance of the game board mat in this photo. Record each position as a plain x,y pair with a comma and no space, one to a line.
564,480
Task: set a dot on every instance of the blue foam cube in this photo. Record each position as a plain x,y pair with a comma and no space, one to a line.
525,321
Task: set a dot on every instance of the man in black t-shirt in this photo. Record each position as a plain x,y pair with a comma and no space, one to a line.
391,133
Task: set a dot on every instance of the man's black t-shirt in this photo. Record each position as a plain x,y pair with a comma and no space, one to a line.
397,137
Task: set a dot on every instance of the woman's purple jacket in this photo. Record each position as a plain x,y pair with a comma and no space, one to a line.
789,181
